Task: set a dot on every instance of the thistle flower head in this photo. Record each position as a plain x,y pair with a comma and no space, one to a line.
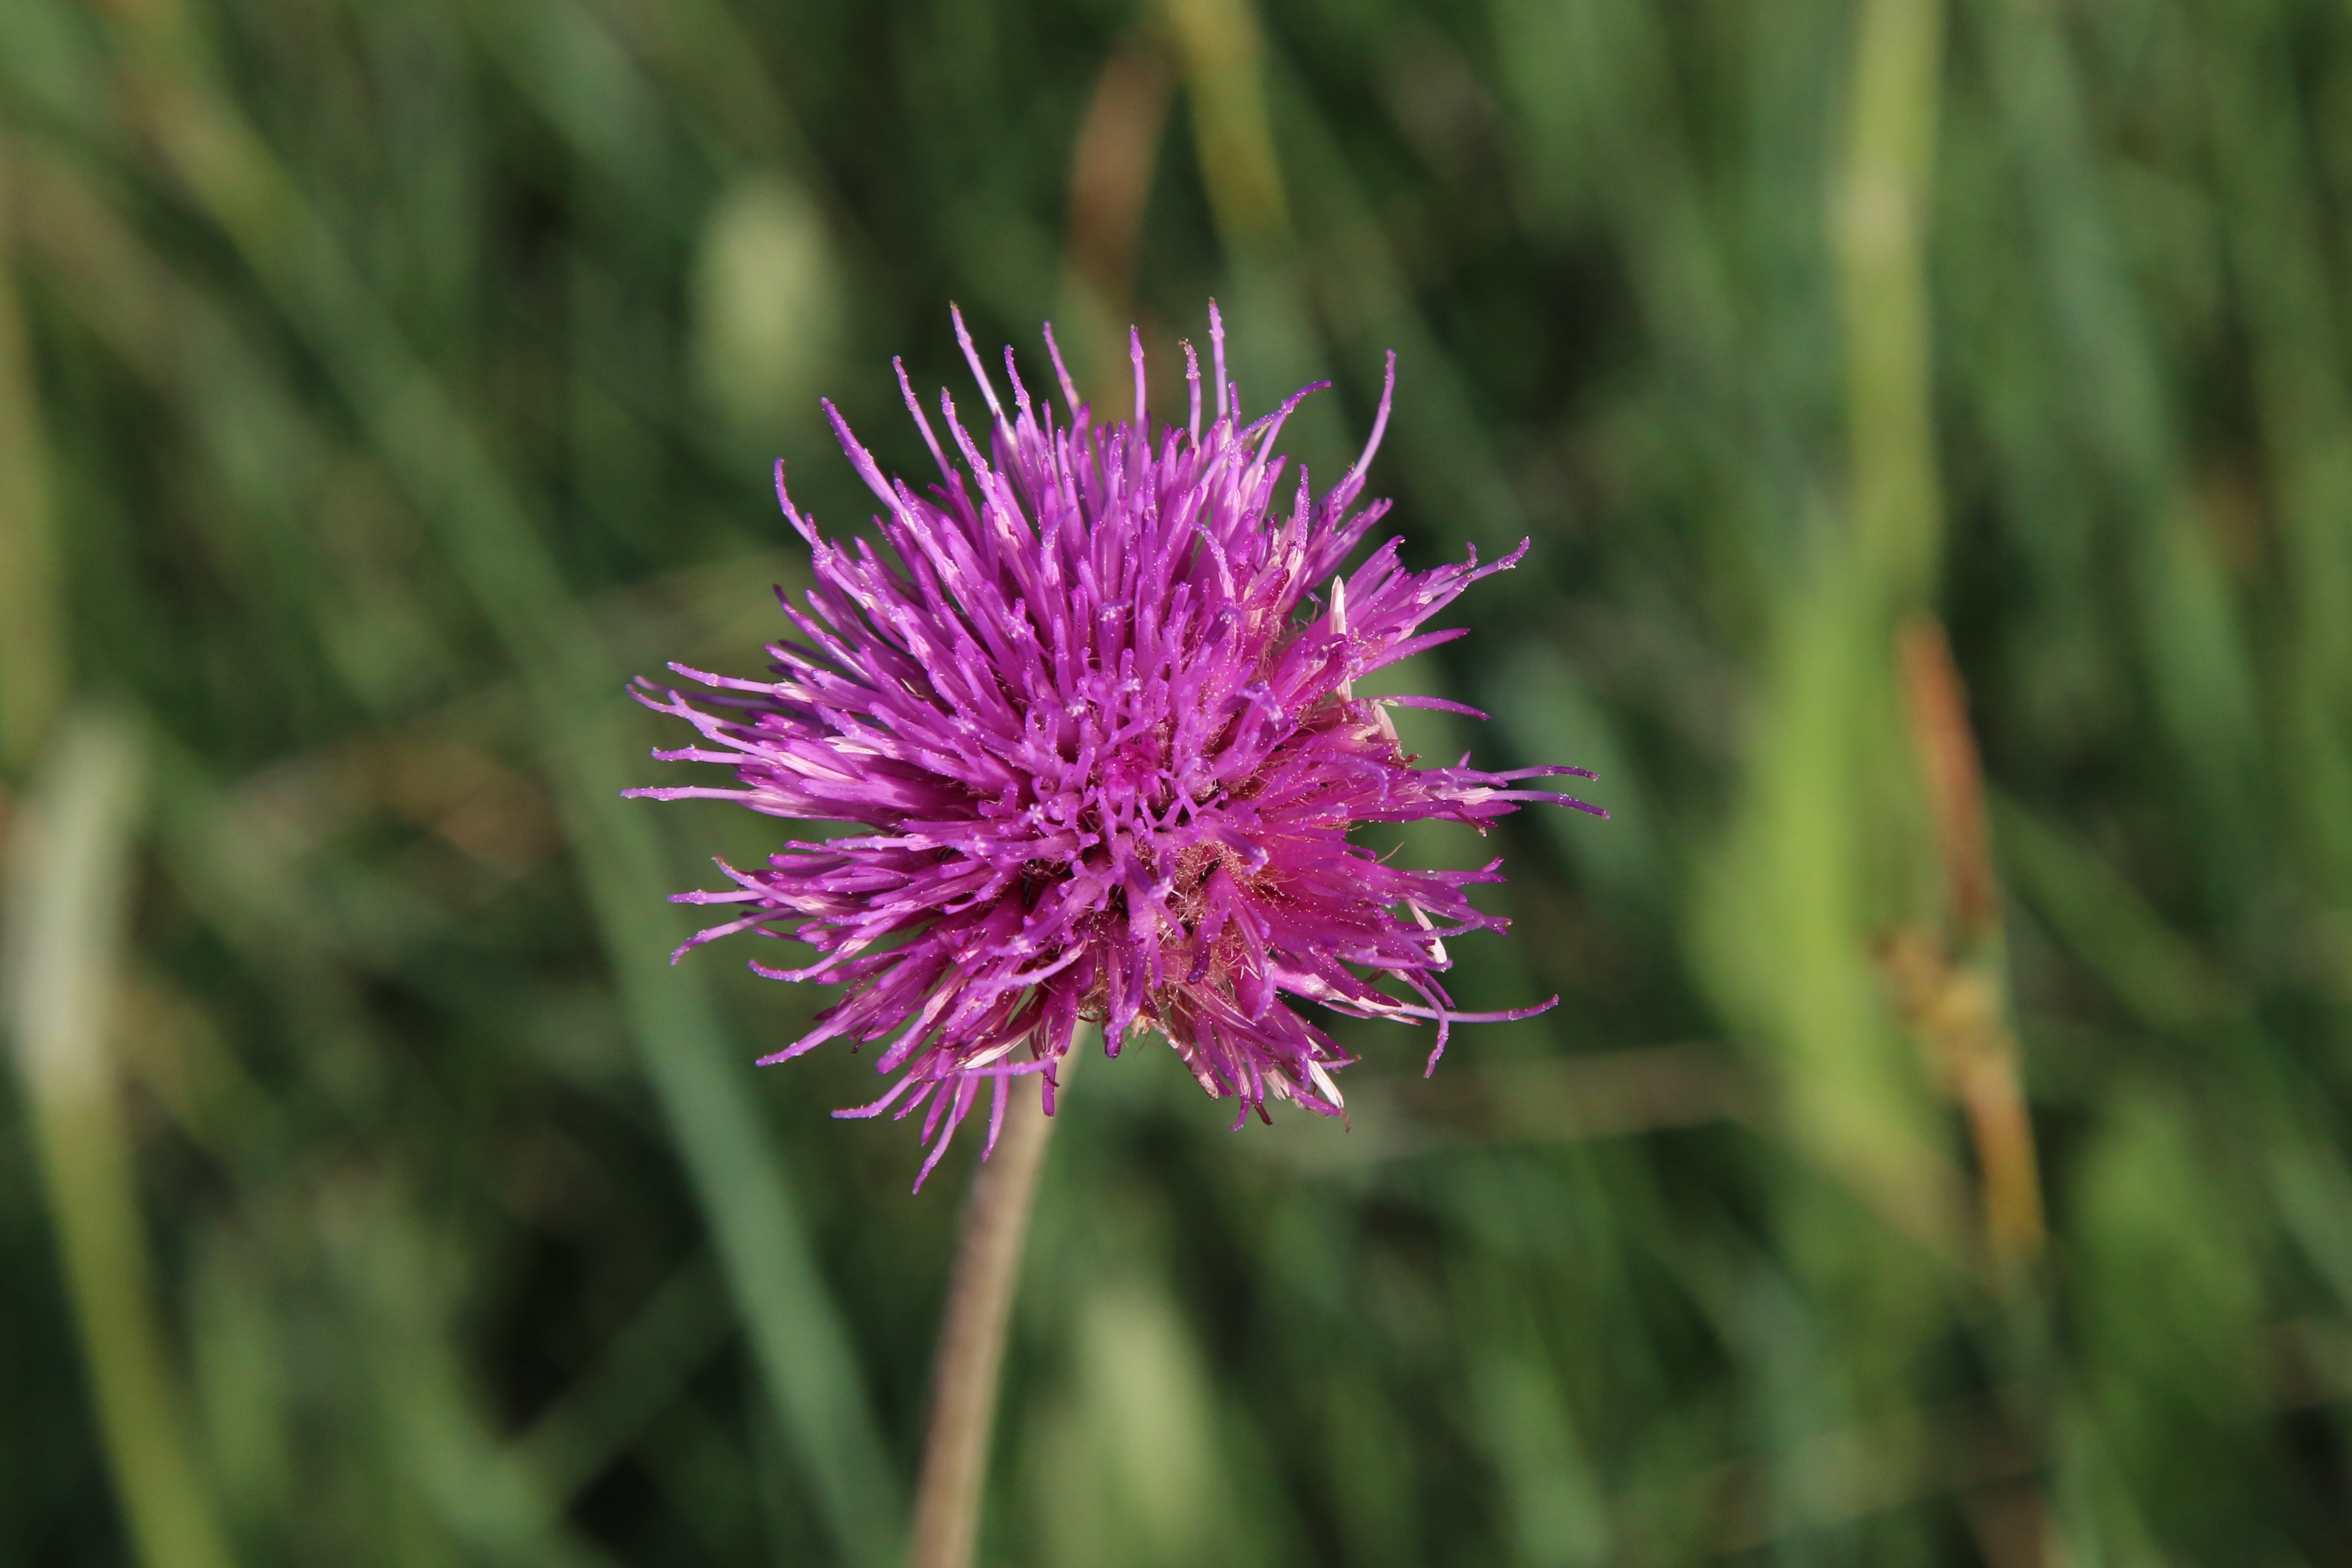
1093,711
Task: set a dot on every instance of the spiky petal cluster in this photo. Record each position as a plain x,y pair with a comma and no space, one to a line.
1107,750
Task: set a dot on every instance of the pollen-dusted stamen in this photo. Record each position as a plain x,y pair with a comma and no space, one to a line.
1339,630
1106,758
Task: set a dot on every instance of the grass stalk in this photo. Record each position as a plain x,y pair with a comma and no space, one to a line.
1880,235
62,941
32,622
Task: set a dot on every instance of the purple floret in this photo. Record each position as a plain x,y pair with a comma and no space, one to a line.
1107,750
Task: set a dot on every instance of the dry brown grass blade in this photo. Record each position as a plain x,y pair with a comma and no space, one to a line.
1950,989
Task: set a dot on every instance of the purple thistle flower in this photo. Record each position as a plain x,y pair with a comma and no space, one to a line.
1105,746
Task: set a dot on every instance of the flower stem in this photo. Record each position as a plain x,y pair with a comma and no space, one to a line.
971,1337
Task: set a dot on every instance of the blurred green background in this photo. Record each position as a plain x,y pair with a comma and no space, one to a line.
1884,383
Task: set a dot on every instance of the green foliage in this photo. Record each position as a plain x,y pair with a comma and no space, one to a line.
382,385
